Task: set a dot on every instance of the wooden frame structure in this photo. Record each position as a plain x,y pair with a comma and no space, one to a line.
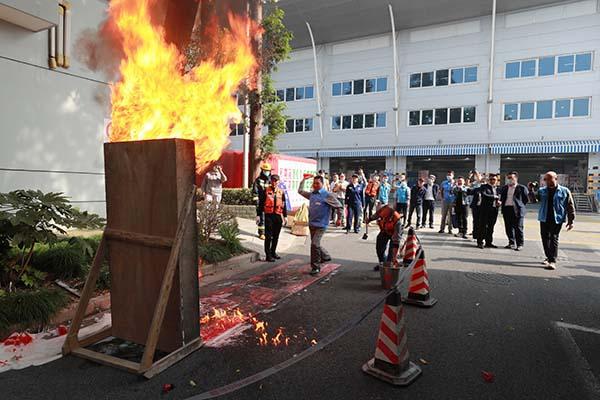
147,367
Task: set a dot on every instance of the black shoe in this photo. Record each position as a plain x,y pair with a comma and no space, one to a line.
324,260
441,231
518,248
376,268
508,246
431,227
491,246
270,259
276,256
480,246
315,271
464,236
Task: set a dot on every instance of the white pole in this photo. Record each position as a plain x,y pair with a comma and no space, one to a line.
490,99
395,69
246,136
67,36
317,84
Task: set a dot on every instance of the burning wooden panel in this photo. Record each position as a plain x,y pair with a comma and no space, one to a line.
146,186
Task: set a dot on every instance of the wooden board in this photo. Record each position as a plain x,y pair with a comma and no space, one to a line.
146,186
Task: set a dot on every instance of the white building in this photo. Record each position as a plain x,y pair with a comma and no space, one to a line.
541,112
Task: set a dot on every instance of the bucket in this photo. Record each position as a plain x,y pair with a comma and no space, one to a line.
389,275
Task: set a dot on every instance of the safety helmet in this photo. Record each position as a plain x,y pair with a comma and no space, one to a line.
265,166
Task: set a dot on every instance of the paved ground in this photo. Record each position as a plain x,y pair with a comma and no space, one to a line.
537,331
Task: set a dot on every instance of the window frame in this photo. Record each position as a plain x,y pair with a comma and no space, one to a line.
537,59
364,121
304,98
450,84
553,115
422,112
364,86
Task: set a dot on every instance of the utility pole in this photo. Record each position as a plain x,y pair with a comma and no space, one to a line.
254,95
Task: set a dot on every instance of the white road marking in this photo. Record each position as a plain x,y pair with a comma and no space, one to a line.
577,327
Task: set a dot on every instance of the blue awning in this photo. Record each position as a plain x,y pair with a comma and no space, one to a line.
377,152
442,150
301,153
571,146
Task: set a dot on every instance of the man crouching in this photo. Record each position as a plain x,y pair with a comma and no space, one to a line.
390,231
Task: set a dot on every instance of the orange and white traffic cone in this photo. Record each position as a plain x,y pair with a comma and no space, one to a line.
418,289
410,247
391,362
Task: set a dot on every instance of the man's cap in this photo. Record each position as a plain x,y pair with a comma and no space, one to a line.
265,166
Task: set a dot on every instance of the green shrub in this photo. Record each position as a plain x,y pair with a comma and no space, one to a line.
214,251
230,232
241,197
27,309
63,260
210,217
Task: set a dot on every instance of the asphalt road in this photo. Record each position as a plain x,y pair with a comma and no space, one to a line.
498,311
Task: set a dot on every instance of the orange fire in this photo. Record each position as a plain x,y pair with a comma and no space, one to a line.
154,99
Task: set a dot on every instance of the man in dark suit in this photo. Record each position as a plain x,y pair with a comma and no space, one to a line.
514,197
488,212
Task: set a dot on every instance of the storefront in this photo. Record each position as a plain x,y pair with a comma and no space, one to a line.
439,166
572,168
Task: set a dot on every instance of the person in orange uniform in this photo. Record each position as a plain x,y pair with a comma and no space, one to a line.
272,203
390,231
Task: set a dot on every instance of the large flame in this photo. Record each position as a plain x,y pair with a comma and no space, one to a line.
154,99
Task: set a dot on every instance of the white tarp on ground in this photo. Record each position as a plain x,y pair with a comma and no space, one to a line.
45,347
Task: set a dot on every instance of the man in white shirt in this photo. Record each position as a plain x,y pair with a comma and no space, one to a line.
338,186
514,197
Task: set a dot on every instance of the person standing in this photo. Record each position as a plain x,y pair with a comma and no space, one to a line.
556,208
447,202
339,188
390,231
272,204
514,197
431,193
319,209
461,206
488,212
417,196
258,189
383,197
371,196
474,200
402,194
323,175
355,203
212,185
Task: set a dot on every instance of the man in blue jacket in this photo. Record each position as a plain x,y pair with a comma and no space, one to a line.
514,197
556,207
355,200
447,202
319,210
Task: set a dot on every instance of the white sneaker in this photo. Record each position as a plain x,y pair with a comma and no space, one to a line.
551,266
545,262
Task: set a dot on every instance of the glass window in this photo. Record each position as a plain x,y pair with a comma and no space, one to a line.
441,77
299,93
369,120
546,66
427,117
336,123
581,107
513,70
308,124
299,125
469,114
583,62
359,86
281,95
544,109
470,74
414,118
457,76
336,89
511,112
427,79
381,84
415,80
370,85
241,100
380,120
441,116
347,88
527,111
289,125
562,108
456,115
290,93
566,63
357,121
232,130
347,122
308,92
528,68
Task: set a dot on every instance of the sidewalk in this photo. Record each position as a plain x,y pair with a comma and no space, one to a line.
250,240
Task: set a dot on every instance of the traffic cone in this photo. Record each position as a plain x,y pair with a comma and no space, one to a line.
418,289
391,362
410,247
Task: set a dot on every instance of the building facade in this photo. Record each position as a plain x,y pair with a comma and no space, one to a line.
541,113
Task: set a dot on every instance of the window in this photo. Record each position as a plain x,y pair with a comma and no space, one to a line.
566,64
381,84
280,94
469,114
427,117
526,111
370,85
346,88
289,126
549,65
415,80
336,89
544,109
236,129
455,115
308,124
414,118
528,68
583,62
513,70
427,79
546,66
441,116
581,107
336,123
441,77
562,108
290,94
369,120
358,121
299,125
511,112
347,122
380,120
300,93
470,74
308,92
241,100
359,86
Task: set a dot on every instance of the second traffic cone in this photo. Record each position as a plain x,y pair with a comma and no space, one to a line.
410,247
391,362
418,289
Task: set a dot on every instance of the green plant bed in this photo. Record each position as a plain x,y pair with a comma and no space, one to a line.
217,251
30,308
239,197
63,260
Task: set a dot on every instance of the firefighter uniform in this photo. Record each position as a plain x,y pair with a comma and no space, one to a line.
258,190
272,205
390,231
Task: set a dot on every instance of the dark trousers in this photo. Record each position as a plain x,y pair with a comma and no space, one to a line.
475,220
485,227
318,254
381,245
339,212
370,203
419,209
273,223
513,225
550,232
461,213
401,208
428,207
354,212
261,224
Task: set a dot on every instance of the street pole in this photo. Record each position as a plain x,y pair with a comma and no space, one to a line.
245,136
317,83
490,99
255,125
395,70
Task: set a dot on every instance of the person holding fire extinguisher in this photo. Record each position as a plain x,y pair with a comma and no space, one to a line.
390,231
272,203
